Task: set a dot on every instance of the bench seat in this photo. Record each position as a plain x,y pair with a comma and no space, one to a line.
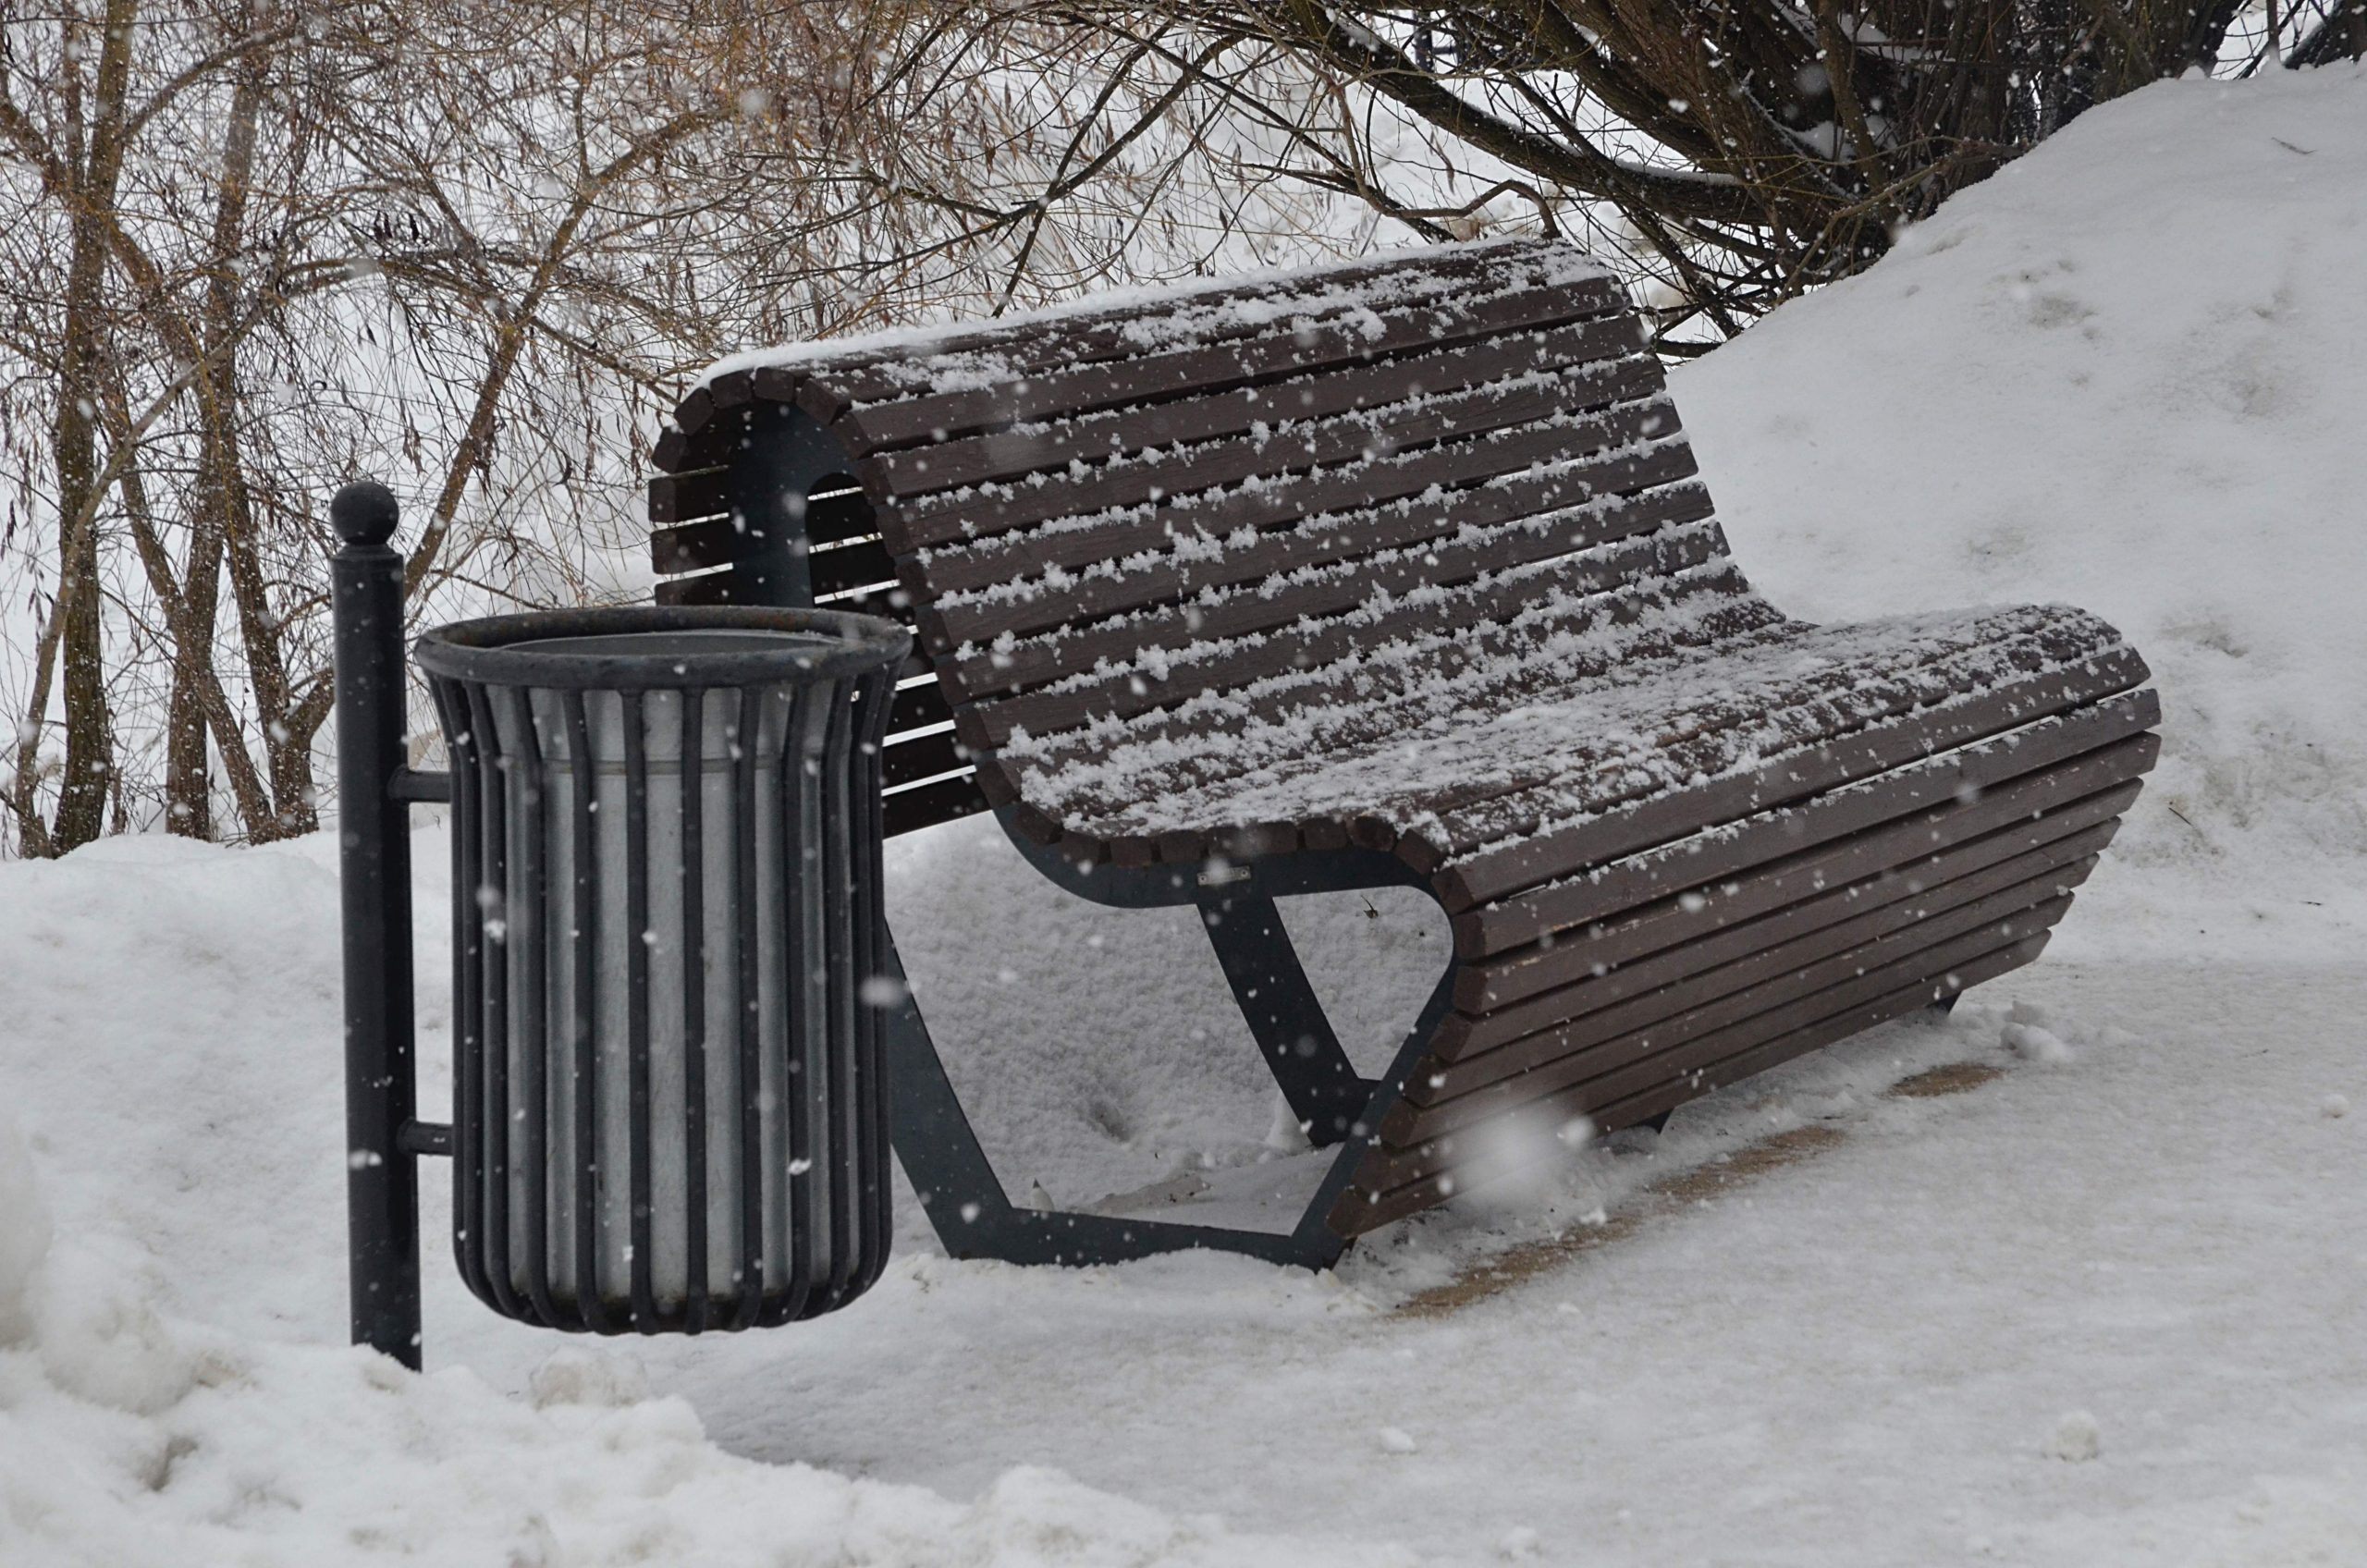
1402,570
1574,748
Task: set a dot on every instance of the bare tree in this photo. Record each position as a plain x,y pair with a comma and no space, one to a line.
254,246
1736,151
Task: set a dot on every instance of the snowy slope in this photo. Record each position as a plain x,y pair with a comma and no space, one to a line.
2129,371
2146,1233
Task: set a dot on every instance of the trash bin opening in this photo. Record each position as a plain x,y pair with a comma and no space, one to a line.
662,644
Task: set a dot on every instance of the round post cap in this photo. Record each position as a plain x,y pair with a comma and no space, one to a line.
364,513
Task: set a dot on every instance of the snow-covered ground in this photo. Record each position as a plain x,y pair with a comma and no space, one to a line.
2108,1305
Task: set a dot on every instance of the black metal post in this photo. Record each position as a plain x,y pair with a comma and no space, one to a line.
374,831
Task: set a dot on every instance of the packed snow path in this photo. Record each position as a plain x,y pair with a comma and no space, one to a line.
1870,1350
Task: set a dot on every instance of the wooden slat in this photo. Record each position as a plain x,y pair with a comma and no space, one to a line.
1898,737
1178,563
1606,890
1203,499
2082,830
681,497
1215,366
719,540
985,536
731,389
1484,573
833,515
715,588
1330,678
1694,1083
843,567
1217,505
917,707
1589,1048
1726,721
832,571
1598,778
1314,650
1200,603
1498,999
1025,346
720,544
1480,666
1482,519
922,756
1364,1206
1009,455
725,392
908,810
1330,712
691,413
1948,909
1421,1138
885,600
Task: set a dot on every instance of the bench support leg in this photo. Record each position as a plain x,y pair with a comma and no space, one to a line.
974,1217
1284,1014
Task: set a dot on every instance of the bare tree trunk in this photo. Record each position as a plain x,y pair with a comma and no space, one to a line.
188,777
196,680
90,738
224,513
188,803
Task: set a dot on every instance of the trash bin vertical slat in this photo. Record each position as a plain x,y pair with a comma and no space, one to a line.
805,1074
468,1170
489,898
749,1278
640,1188
837,985
878,691
583,941
530,941
693,787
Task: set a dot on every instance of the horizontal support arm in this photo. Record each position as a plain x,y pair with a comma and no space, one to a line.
425,1137
411,785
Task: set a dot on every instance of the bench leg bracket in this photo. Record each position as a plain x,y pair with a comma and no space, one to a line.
1284,1014
974,1217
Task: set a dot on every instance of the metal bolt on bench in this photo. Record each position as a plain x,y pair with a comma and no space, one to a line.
670,1108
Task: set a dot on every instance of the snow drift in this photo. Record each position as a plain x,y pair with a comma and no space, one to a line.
2129,371
172,1046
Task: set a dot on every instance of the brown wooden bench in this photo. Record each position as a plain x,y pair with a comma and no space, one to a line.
1398,573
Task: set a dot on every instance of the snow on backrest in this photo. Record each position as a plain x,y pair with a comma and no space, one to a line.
1117,507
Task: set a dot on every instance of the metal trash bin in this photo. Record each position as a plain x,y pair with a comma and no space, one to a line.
670,1106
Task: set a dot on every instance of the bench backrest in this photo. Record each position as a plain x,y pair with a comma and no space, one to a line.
1156,503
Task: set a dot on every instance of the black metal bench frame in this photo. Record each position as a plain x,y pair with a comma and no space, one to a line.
1338,1108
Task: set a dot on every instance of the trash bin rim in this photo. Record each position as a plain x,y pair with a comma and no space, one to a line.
482,651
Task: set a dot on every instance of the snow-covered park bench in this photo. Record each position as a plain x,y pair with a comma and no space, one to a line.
1398,573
